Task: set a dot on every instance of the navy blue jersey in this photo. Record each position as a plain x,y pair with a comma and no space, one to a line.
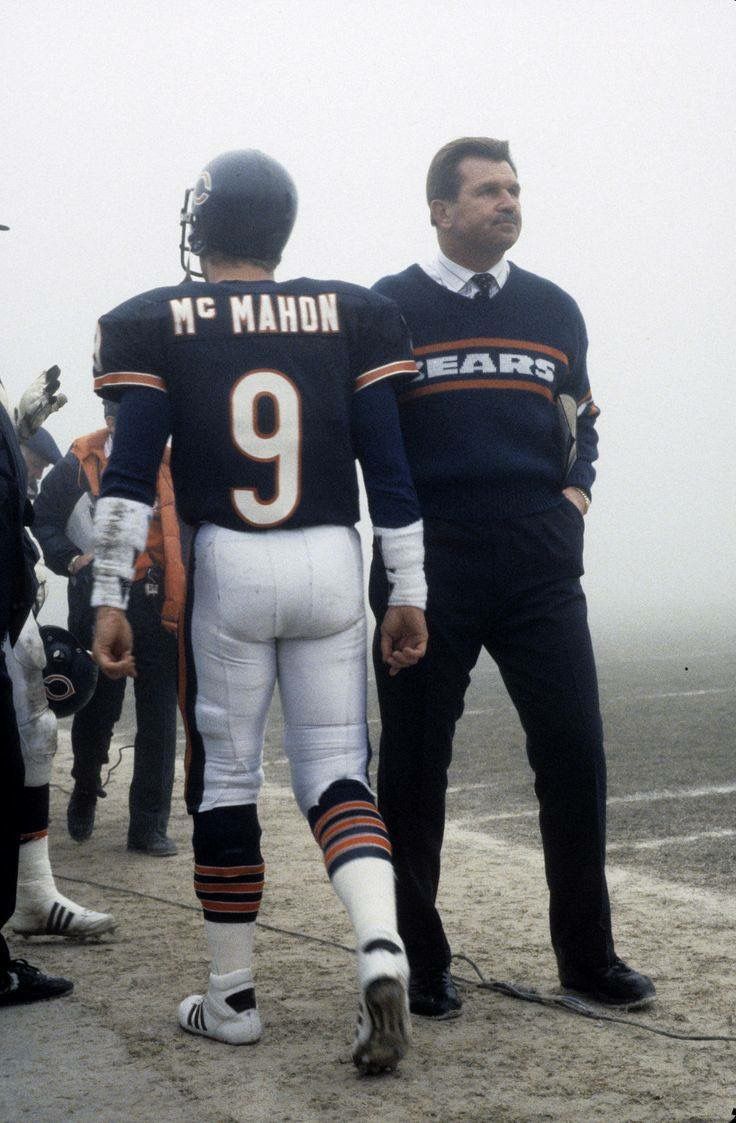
262,380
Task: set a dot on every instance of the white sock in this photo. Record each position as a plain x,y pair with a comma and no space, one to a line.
35,879
231,946
366,888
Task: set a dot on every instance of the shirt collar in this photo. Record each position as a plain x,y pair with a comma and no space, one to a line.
457,278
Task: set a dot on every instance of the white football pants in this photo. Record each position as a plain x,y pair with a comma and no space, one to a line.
36,722
286,606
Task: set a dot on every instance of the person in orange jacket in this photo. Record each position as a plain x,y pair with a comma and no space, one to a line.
63,527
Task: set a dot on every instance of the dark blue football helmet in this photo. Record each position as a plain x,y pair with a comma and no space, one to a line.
70,674
243,205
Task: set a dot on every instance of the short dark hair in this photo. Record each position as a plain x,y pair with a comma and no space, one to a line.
443,178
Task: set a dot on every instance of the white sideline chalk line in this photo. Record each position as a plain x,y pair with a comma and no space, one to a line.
633,797
670,840
720,907
671,694
629,698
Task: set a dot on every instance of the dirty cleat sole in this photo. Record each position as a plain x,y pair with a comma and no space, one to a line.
383,1022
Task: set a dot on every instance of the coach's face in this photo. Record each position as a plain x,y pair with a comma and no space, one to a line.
484,221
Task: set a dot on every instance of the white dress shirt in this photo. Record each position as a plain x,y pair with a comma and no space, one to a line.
457,278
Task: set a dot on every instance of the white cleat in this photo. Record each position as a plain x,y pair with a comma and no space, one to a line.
382,1034
227,1012
59,916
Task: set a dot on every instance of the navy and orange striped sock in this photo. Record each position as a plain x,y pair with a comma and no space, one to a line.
228,865
347,825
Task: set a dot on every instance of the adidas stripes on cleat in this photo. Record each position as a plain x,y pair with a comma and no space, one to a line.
60,917
227,1012
382,1034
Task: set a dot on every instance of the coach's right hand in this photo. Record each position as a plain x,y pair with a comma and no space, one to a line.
113,645
403,637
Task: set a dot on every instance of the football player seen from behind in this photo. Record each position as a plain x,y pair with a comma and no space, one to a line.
269,390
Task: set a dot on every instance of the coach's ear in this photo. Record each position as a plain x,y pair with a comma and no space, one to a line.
440,213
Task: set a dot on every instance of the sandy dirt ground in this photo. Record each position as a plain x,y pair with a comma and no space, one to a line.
113,1052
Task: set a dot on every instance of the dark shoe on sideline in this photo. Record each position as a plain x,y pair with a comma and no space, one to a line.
155,845
80,814
19,982
433,994
618,985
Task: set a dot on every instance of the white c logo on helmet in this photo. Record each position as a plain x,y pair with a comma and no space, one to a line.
202,188
59,687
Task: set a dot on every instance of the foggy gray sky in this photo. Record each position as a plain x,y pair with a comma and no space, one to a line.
621,120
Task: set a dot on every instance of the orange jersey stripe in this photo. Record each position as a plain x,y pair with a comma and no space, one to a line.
229,871
461,344
182,694
405,366
129,378
340,809
356,841
478,384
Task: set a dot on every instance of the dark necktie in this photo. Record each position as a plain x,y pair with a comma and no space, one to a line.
486,285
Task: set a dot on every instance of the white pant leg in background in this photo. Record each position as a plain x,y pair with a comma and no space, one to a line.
36,722
284,605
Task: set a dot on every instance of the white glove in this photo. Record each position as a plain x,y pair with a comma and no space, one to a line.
38,401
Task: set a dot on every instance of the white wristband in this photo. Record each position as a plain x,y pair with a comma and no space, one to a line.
120,532
402,549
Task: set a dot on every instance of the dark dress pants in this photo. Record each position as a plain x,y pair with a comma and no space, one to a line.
155,689
516,592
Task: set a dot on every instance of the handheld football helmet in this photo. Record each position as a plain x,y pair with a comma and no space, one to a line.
70,674
243,205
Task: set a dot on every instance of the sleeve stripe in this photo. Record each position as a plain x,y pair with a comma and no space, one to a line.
405,366
129,378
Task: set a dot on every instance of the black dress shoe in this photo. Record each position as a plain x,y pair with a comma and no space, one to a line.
433,994
19,982
156,845
80,814
618,985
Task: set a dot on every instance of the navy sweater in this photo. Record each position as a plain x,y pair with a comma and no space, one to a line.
481,423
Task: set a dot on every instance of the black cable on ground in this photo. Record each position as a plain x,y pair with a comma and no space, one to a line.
572,1004
103,786
511,990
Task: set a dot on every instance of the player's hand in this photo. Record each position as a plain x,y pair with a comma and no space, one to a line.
113,645
403,637
39,400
